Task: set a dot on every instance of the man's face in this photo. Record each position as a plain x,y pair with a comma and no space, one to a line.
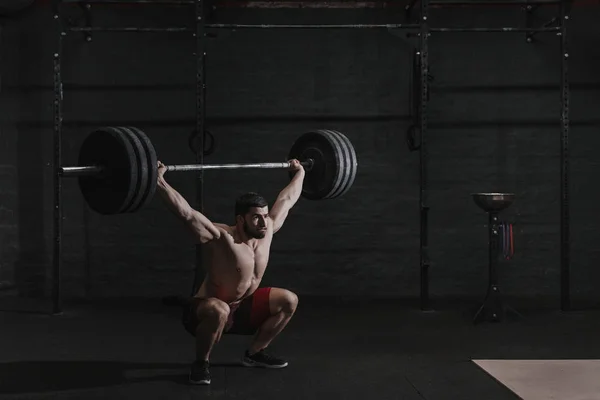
256,222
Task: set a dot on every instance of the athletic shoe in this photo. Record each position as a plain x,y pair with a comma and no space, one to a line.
262,359
199,373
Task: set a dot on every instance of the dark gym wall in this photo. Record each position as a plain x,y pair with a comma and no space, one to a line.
494,118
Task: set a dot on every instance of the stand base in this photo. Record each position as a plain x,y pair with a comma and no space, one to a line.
494,309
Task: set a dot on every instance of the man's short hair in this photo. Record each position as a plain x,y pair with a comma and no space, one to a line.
248,200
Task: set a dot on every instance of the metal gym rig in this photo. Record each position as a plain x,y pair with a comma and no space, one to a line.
422,28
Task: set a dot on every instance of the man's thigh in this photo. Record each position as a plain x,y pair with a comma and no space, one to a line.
252,312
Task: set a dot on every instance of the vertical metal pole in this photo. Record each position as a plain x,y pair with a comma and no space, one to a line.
58,98
200,116
493,262
564,161
424,254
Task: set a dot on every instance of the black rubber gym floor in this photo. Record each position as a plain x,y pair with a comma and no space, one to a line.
336,350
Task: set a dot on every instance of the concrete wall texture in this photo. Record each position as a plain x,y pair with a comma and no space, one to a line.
495,126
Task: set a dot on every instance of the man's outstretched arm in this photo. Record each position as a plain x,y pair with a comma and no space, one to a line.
201,226
288,197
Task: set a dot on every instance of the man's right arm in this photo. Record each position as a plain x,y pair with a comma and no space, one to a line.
202,227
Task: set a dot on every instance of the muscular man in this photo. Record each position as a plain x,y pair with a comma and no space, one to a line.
229,300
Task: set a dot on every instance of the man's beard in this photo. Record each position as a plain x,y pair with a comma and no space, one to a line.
253,234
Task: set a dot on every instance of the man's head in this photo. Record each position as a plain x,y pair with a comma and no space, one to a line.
251,214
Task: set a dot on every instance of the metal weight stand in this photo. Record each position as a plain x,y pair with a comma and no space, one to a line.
424,30
494,307
561,30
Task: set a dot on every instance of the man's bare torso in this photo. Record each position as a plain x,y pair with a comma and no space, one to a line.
233,268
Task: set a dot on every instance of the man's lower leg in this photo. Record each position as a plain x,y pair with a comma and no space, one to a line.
207,335
269,330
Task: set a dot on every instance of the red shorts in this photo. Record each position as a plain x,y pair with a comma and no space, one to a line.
244,319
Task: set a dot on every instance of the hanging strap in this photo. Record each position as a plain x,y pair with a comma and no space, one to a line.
508,239
512,242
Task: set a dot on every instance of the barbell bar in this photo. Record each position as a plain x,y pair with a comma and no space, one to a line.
118,168
96,170
273,165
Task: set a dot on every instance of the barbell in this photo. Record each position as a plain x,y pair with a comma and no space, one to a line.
118,167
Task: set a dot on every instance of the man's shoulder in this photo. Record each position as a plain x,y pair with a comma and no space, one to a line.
224,228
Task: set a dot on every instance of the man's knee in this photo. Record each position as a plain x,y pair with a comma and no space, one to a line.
289,302
213,310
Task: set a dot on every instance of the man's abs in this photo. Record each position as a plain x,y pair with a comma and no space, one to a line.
231,274
229,289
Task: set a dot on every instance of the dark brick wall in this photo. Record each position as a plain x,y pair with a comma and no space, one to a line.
494,117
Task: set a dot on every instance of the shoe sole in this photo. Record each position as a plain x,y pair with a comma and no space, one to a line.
247,363
202,382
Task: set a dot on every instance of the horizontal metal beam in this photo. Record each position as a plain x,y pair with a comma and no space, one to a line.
379,4
505,29
331,4
132,29
308,4
256,4
263,120
441,3
153,2
314,26
164,87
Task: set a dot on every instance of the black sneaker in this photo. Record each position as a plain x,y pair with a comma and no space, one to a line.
199,373
262,359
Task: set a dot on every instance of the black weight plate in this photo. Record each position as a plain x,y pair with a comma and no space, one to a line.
143,175
350,164
111,192
152,161
339,149
324,176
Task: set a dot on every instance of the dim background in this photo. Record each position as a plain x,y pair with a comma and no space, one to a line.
494,117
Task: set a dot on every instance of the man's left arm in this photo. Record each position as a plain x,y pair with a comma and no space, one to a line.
288,197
